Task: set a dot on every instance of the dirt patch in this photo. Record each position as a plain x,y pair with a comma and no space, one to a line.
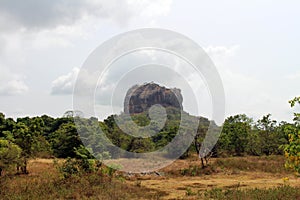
176,187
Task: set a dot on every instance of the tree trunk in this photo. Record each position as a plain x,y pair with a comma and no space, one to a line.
202,163
24,167
0,171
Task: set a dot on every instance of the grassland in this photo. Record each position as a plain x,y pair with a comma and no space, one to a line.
225,178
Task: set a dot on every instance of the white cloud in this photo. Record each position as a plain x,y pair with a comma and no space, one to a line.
64,85
223,51
11,84
151,8
36,14
245,93
221,54
13,87
294,76
34,25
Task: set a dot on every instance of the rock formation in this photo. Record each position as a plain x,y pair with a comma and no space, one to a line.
140,98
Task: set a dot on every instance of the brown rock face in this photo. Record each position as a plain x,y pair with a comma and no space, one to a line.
140,98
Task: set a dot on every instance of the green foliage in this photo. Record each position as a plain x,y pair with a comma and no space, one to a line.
240,136
46,136
24,138
82,153
2,124
292,149
28,134
189,192
27,140
64,140
140,145
9,154
111,169
270,136
6,125
83,163
77,167
235,135
130,143
69,168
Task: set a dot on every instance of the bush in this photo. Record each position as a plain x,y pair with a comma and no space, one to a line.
74,166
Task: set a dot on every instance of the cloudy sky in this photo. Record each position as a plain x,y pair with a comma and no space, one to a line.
255,46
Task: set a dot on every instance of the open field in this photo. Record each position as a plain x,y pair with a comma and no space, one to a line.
177,187
237,174
181,180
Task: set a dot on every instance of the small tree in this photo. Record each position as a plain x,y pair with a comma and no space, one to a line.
292,149
206,149
235,135
27,140
198,139
270,137
9,154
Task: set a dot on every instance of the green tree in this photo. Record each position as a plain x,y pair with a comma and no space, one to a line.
235,135
64,140
27,140
198,140
292,149
254,143
9,154
141,145
9,124
270,136
37,128
2,124
6,124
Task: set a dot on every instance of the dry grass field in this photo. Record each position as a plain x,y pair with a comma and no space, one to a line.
231,178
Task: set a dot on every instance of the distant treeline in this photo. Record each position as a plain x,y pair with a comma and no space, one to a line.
48,137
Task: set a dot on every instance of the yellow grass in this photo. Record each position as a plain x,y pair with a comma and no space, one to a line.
172,185
176,186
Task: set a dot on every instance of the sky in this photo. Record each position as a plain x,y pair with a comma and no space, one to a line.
254,45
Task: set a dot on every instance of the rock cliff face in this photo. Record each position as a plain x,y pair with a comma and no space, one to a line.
140,98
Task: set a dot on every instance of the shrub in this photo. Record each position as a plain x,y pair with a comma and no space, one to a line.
9,155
